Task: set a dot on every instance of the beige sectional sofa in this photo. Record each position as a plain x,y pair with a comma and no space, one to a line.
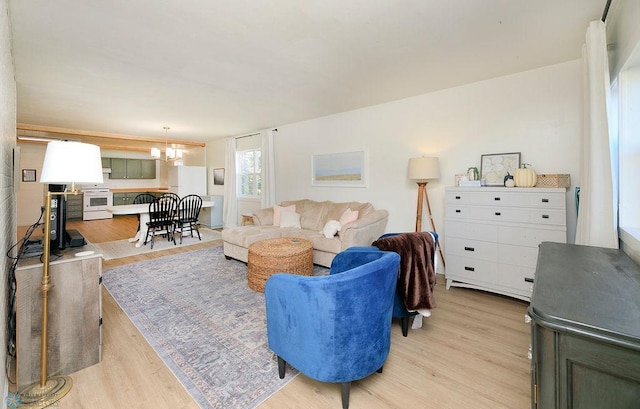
313,217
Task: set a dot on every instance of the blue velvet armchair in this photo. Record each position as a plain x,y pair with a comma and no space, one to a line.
334,328
399,309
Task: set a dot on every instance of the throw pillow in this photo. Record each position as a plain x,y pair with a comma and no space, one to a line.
348,216
290,219
331,228
277,212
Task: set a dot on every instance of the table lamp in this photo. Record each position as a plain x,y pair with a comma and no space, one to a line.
64,162
421,169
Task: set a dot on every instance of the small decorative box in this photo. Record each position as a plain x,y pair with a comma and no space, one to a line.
554,180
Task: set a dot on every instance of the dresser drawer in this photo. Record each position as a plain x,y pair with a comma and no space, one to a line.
507,197
517,278
473,231
530,237
472,269
516,214
517,255
475,249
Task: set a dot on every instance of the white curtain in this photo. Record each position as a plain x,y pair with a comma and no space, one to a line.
597,216
268,169
230,207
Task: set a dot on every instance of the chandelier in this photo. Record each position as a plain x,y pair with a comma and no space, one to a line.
170,153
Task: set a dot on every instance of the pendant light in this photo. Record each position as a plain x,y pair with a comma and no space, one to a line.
170,153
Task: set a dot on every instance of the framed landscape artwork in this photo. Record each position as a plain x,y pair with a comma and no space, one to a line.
495,166
346,169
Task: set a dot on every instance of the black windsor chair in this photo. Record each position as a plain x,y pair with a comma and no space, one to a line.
188,212
162,216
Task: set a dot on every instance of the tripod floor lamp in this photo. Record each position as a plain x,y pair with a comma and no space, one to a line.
64,163
421,169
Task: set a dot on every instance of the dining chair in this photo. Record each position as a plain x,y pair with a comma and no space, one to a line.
162,216
188,212
143,198
171,195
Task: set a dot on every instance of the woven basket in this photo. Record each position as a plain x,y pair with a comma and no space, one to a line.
554,180
285,255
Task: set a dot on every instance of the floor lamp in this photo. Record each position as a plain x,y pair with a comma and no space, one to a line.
421,169
64,162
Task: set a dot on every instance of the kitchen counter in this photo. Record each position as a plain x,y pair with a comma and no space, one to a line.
139,189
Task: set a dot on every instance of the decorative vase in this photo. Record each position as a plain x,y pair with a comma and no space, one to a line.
524,176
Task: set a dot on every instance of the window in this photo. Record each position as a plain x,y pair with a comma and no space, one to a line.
629,150
249,173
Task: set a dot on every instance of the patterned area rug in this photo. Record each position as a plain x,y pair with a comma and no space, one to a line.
198,313
123,248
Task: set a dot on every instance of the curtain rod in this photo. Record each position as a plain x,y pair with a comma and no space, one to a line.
247,136
254,134
606,10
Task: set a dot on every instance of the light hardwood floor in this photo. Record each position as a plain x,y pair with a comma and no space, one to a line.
471,353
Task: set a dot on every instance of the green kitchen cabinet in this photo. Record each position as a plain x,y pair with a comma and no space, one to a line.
122,168
127,198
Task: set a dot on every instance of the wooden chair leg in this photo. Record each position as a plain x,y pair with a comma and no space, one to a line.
281,365
345,388
404,322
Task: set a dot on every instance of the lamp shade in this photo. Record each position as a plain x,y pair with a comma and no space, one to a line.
71,162
423,168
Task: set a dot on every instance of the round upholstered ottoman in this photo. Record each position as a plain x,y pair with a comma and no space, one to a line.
283,255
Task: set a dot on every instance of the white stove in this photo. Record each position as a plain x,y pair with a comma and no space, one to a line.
95,200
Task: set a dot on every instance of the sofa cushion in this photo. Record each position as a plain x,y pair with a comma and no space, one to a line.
290,219
348,216
246,235
332,245
278,210
263,217
313,215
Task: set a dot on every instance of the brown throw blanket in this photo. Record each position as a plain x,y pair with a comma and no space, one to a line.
416,277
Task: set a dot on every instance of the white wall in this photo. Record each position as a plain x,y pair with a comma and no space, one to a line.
537,113
215,153
623,33
7,195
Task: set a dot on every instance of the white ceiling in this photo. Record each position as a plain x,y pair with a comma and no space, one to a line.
214,68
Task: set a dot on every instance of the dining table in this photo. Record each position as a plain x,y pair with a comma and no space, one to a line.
143,211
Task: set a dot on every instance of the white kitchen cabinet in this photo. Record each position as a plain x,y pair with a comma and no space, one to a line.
211,217
492,236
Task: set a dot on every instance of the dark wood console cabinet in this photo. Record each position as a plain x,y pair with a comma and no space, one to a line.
585,313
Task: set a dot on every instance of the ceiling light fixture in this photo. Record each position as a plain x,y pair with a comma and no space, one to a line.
170,153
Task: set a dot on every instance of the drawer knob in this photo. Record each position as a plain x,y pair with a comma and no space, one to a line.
545,200
458,210
528,280
545,216
497,213
469,249
457,197
496,198
470,268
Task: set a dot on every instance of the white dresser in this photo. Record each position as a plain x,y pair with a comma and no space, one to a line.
492,236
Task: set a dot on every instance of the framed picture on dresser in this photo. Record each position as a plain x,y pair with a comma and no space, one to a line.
495,166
